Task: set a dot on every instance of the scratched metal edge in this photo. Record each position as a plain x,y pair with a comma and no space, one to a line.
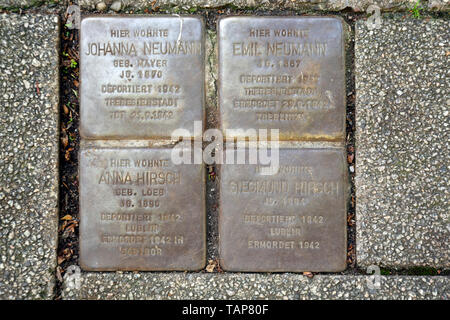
92,136
346,194
338,136
85,267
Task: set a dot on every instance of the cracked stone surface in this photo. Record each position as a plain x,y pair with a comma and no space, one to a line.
28,155
253,286
402,116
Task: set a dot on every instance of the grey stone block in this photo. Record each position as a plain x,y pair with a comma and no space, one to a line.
402,117
28,155
254,286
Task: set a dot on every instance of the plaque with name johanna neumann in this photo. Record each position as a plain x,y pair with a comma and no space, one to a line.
141,77
139,211
292,221
283,73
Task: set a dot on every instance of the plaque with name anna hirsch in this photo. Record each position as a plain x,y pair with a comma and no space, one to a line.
285,73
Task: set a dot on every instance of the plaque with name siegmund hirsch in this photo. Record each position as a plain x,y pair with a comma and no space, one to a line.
141,77
139,211
285,73
292,221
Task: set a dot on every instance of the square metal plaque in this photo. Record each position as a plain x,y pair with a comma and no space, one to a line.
285,73
139,211
292,221
141,77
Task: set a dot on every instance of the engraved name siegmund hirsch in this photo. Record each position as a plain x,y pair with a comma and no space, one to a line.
149,48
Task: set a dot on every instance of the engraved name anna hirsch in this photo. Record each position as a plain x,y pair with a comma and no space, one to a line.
141,77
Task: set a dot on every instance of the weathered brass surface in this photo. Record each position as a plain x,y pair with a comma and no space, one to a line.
138,211
293,221
283,73
141,77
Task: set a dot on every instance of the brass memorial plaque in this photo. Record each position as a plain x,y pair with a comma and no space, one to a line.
283,73
141,77
292,221
139,211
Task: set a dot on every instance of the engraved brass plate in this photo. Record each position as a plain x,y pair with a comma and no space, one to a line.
292,221
138,211
283,73
141,77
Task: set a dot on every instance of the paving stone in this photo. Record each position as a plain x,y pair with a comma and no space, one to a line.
294,220
402,174
28,154
16,3
330,5
140,211
326,5
254,286
439,5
